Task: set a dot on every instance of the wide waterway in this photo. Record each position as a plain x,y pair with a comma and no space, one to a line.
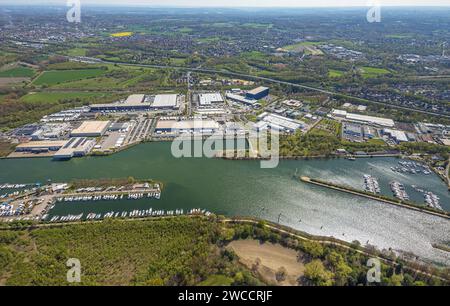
243,188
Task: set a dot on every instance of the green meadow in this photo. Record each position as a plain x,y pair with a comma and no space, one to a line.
18,72
372,72
61,76
54,97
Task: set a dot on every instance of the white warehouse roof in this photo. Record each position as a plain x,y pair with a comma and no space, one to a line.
169,100
208,98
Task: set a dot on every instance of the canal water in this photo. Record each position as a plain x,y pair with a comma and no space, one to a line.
242,188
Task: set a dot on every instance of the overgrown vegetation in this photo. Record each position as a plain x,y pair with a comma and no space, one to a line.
175,251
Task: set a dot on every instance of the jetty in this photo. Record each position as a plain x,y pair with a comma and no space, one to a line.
375,197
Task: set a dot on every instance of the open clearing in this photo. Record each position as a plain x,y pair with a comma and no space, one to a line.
308,47
52,97
9,81
272,257
61,76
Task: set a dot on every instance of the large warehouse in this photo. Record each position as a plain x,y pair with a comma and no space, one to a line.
41,146
135,102
165,101
258,93
75,147
277,122
91,129
205,99
362,118
186,126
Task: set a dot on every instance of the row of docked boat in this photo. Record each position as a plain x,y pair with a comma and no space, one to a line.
13,186
399,190
67,218
127,214
109,197
371,184
431,199
412,168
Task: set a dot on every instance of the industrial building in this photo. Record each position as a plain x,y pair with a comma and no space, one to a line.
75,147
258,93
186,126
395,135
277,122
41,146
362,118
169,101
119,127
353,130
135,102
241,99
66,115
205,99
91,129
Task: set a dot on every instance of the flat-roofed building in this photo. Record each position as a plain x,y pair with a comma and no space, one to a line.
135,102
363,118
135,99
41,146
91,129
396,135
165,101
241,99
277,122
75,147
205,99
186,126
258,93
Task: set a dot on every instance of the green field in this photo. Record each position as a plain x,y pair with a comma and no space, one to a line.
18,72
372,72
53,97
335,73
77,52
61,76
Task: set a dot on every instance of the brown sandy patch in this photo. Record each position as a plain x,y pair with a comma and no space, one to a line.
272,257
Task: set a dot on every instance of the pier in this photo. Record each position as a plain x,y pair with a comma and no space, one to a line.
375,197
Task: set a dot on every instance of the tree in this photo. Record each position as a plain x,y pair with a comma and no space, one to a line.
281,274
317,274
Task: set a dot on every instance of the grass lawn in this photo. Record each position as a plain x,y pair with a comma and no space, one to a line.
372,72
61,76
335,73
177,61
77,52
18,72
53,97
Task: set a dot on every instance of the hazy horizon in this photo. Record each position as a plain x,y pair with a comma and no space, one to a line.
239,3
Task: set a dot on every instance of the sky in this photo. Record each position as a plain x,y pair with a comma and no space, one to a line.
244,3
